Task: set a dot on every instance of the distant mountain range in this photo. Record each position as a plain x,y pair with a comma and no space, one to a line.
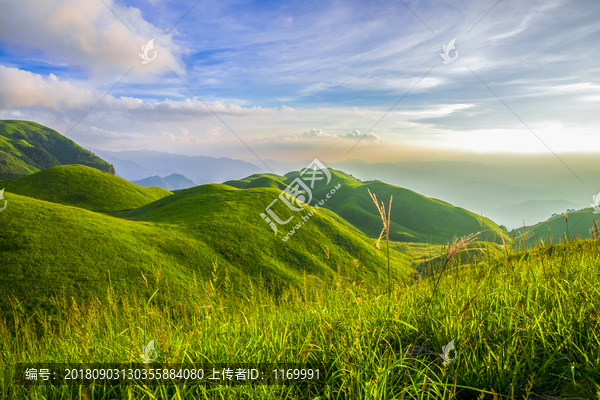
507,194
171,182
141,164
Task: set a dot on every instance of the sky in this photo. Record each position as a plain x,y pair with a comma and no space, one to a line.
310,79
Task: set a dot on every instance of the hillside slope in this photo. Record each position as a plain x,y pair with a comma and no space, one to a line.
228,219
556,228
83,187
48,248
415,218
27,147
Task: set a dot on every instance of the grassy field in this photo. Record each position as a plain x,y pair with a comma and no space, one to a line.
68,228
525,324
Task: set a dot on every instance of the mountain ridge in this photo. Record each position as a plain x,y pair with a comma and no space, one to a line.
415,218
192,233
139,164
27,147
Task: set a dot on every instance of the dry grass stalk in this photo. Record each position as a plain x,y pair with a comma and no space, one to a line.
385,219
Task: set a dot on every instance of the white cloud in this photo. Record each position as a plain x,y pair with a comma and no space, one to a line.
316,87
20,88
103,138
214,134
87,34
318,134
314,134
24,89
354,135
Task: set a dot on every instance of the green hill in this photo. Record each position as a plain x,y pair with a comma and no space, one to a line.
415,218
578,223
228,220
49,249
83,187
259,180
27,147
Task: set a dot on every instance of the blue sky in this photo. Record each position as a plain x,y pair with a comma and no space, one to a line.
300,80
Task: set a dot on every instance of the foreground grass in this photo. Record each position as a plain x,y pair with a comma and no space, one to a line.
526,326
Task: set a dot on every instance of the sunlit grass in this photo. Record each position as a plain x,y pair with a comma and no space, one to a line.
526,324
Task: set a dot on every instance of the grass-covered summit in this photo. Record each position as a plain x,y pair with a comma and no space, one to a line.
415,218
228,220
27,147
83,187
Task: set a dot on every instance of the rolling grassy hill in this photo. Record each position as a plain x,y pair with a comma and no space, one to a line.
228,220
259,180
50,249
524,325
83,187
578,223
27,147
415,218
